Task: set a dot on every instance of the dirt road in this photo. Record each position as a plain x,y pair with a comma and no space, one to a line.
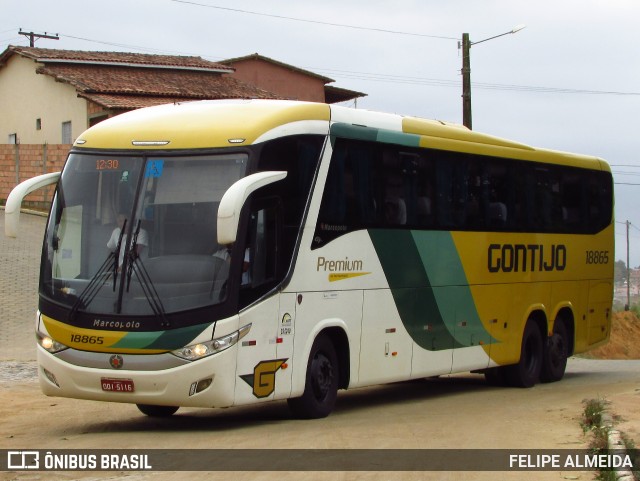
454,412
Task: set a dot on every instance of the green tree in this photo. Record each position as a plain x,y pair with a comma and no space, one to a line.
619,272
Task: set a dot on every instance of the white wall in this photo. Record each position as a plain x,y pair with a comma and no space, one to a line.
26,96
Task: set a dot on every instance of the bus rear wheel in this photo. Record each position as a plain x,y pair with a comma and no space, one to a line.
556,352
321,384
496,376
527,372
157,411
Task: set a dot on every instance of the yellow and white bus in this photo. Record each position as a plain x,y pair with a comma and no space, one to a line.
221,253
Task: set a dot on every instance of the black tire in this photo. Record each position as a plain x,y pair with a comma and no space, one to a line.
321,383
157,411
555,354
496,376
527,372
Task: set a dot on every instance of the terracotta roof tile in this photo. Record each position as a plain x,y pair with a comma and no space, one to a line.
47,55
153,82
129,102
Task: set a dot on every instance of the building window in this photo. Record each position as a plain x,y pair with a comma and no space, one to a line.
38,124
13,138
66,132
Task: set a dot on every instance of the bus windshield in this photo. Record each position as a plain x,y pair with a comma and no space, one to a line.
136,235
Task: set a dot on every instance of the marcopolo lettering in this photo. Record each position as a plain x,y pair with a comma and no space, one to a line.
526,257
116,324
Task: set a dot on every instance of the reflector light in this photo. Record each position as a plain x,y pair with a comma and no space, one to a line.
149,143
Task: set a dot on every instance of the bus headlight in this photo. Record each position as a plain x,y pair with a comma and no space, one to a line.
197,351
49,344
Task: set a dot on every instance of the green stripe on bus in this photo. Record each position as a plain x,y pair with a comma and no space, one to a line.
444,268
411,289
361,132
177,338
399,138
167,340
357,132
430,288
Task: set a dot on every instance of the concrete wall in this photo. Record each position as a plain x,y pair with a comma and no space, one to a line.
23,161
29,96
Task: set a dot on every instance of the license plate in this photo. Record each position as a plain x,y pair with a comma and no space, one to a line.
117,385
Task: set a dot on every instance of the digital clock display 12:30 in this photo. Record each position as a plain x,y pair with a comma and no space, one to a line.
107,164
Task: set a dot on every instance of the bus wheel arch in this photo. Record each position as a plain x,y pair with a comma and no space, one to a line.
341,344
558,347
526,372
321,380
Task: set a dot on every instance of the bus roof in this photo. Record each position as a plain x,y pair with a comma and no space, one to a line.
224,123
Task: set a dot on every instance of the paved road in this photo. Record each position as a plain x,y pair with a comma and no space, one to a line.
19,270
452,412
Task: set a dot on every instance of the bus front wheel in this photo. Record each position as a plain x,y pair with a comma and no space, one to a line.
157,411
527,372
321,384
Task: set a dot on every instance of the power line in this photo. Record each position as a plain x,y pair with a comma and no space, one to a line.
318,22
381,77
8,39
530,88
124,45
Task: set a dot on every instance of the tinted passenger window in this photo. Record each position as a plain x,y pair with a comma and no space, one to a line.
376,185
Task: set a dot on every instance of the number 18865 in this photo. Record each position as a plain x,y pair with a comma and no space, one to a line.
597,257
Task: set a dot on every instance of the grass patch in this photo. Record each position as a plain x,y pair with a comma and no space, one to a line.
593,424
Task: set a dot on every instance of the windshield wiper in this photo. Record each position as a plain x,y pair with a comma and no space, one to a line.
117,254
99,278
134,264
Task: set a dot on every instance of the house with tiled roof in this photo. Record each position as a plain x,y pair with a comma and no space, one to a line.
51,96
287,80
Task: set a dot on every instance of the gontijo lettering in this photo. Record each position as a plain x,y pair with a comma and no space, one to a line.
526,258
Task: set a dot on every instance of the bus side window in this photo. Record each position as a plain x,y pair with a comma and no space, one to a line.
261,268
574,202
599,199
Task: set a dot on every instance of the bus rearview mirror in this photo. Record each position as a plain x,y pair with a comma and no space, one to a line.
235,197
17,195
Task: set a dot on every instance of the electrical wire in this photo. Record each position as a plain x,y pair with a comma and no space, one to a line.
318,22
373,76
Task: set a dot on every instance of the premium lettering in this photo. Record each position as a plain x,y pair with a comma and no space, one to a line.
345,265
526,257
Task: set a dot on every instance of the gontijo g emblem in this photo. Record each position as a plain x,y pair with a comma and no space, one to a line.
263,379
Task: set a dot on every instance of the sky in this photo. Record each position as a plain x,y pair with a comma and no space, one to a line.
568,81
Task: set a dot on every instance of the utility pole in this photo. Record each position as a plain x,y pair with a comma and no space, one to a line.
628,305
465,45
466,81
34,36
